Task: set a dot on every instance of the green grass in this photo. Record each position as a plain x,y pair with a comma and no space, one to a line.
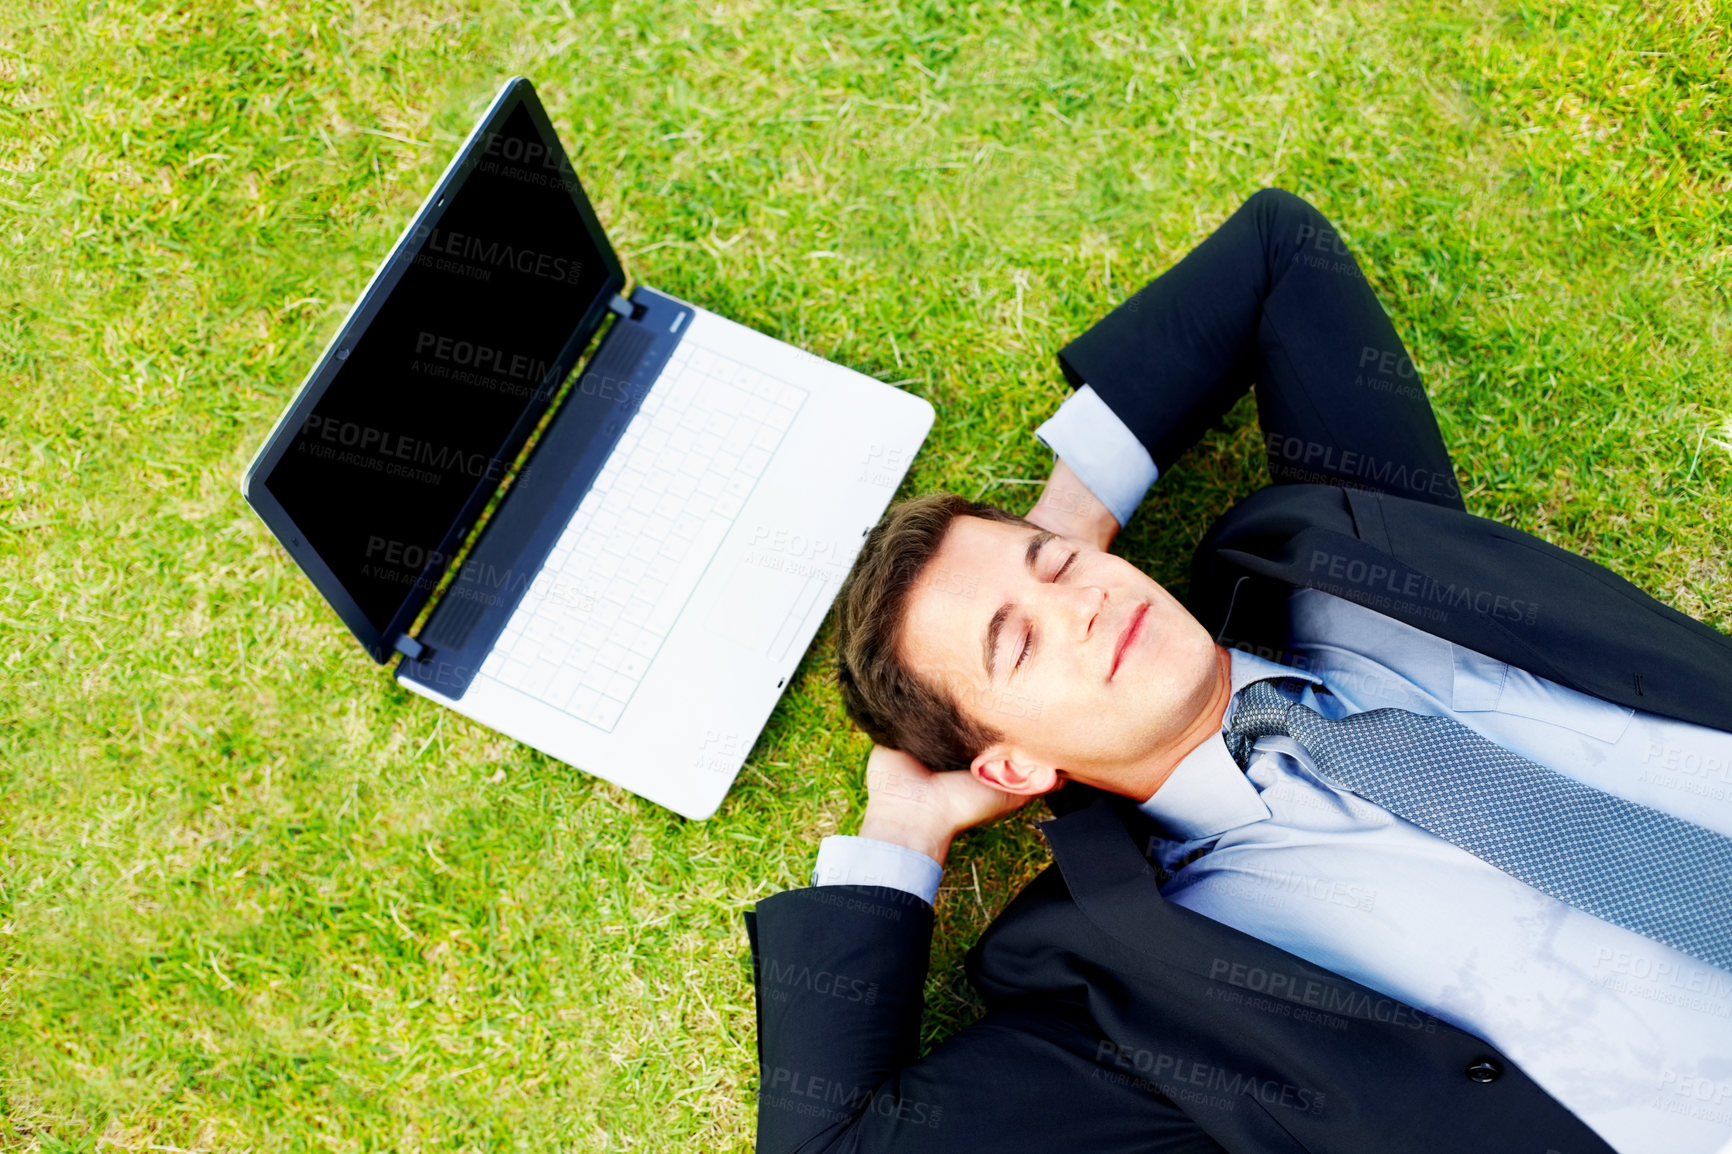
254,896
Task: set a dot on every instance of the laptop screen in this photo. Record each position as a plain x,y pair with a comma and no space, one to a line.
434,399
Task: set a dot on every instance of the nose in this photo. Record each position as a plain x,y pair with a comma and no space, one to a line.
1078,610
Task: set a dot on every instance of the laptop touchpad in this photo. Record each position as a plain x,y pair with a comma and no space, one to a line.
761,607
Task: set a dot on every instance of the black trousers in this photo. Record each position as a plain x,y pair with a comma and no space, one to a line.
1272,298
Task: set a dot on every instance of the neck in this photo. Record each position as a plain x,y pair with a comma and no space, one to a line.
1145,778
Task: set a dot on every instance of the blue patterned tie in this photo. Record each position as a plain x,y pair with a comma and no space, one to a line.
1627,864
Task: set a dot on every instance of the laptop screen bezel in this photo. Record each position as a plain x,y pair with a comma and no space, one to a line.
381,643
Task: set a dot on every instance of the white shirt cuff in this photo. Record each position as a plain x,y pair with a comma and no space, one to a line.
863,861
1102,451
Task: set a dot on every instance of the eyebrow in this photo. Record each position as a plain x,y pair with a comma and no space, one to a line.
989,646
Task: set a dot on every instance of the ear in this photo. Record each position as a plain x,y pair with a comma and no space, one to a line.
1009,771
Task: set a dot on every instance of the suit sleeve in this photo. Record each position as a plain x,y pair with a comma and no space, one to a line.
1172,359
1271,297
839,973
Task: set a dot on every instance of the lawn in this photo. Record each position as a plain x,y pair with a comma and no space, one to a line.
255,896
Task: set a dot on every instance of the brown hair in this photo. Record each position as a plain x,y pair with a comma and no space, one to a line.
883,696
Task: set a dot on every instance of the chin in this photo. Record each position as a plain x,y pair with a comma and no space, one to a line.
1185,669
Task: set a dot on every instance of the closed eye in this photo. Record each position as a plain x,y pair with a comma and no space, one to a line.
1028,639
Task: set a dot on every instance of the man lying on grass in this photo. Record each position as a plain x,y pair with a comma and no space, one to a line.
1386,841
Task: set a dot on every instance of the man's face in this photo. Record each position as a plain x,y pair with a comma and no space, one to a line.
1083,662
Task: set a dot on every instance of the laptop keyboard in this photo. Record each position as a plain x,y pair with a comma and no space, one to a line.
596,615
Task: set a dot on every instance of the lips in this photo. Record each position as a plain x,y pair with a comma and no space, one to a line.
1133,629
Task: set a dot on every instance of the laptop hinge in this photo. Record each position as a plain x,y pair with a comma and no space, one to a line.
411,648
619,306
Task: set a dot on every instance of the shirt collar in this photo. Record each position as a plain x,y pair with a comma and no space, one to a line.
1207,793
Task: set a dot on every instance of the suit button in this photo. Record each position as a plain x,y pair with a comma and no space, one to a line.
1484,1070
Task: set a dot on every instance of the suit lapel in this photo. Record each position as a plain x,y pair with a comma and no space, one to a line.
1465,579
1358,571
1117,891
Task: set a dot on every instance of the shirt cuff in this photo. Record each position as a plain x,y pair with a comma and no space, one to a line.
866,861
1102,451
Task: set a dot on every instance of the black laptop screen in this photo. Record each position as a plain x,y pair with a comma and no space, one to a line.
433,398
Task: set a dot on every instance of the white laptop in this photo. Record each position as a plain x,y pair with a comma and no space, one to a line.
631,596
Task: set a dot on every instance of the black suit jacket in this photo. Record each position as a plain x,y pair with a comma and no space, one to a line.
1118,1022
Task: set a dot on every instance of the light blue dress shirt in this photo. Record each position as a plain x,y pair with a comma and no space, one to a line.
1632,1036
